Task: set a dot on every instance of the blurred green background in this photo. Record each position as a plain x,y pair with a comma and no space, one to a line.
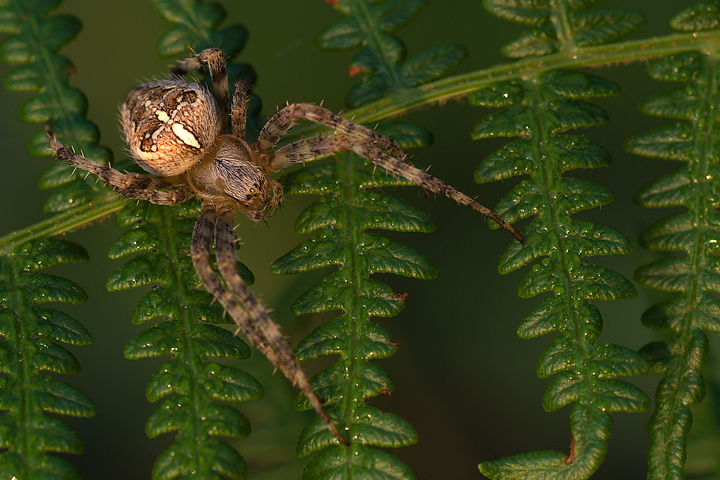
463,378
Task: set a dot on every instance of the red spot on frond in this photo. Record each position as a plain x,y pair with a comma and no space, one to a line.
570,459
356,70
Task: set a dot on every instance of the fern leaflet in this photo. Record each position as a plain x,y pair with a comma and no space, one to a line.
693,140
196,388
29,350
35,40
538,109
382,61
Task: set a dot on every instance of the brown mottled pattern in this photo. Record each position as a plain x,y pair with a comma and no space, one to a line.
215,60
239,109
308,149
169,125
279,124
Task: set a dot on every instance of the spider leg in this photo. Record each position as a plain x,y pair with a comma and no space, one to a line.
215,60
279,124
274,201
130,185
238,110
315,147
283,358
200,252
242,304
305,150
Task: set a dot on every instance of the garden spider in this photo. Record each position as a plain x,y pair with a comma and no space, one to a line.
177,131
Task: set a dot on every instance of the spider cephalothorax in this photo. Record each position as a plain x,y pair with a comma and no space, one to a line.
177,131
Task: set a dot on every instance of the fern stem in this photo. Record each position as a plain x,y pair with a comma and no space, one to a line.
456,86
24,445
64,222
189,355
562,26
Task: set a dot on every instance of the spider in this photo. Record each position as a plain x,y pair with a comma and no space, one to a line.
176,130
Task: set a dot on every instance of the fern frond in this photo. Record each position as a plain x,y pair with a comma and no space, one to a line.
382,59
30,333
539,109
30,338
695,233
195,388
562,25
338,220
35,40
197,24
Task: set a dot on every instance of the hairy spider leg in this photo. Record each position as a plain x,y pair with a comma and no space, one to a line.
269,330
311,148
214,58
238,110
279,124
200,253
305,150
130,185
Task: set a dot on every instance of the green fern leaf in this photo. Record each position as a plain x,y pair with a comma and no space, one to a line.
590,426
526,12
697,18
382,58
31,333
538,110
678,233
30,337
582,27
389,15
197,24
334,463
218,458
35,41
162,261
431,64
599,27
694,275
337,220
670,142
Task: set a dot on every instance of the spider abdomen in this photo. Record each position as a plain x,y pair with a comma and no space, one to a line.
170,125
